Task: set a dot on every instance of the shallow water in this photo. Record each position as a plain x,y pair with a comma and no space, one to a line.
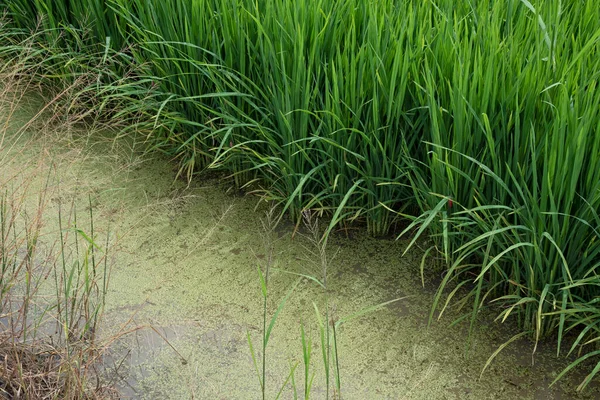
185,271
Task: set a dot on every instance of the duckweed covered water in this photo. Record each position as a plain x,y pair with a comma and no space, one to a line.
184,268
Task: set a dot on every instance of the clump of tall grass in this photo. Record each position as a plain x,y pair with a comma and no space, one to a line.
52,287
90,84
52,281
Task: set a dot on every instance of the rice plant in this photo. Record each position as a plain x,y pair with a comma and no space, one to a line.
512,188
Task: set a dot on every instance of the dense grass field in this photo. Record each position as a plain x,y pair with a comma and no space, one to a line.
477,121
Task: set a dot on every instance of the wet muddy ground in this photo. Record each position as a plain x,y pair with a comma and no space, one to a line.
184,269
